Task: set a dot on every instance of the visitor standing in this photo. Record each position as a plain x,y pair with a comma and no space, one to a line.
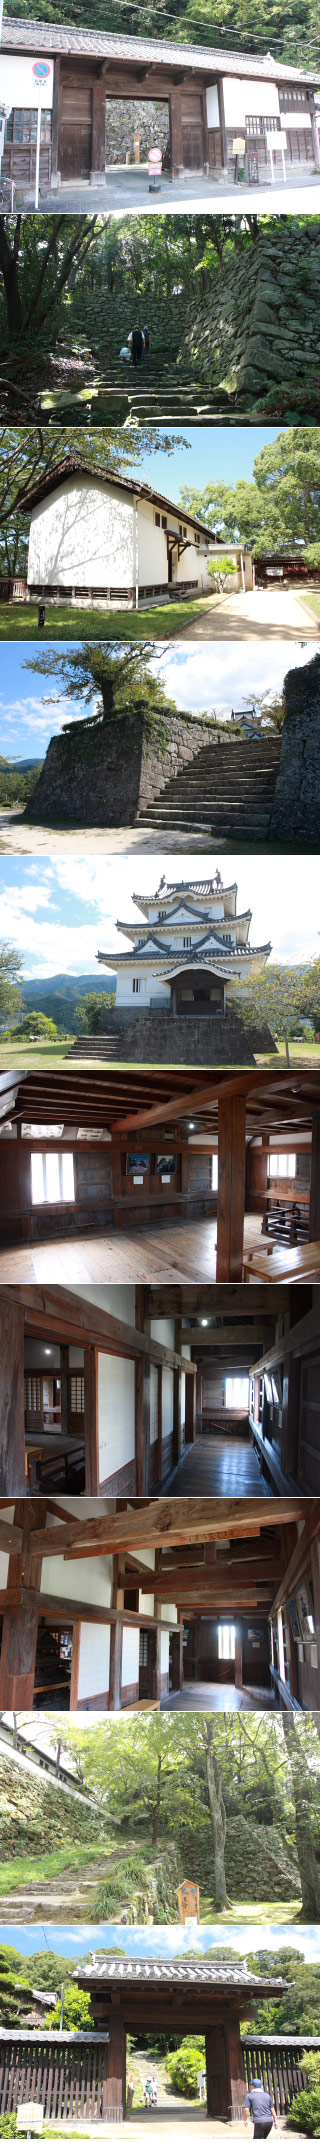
260,2104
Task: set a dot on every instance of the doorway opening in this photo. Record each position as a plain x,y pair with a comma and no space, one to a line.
133,127
52,1681
147,1663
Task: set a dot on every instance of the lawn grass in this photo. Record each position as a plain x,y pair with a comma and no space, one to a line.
65,621
242,1915
23,1869
311,601
301,1053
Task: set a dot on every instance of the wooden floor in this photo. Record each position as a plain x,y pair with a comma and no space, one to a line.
217,1696
217,1466
181,1250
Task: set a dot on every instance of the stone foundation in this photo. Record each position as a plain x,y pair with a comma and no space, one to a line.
125,118
158,1038
105,776
296,814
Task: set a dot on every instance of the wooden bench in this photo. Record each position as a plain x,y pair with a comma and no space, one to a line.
274,1262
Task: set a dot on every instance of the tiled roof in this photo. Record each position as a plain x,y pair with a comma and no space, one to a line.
166,957
76,465
190,1972
202,886
39,37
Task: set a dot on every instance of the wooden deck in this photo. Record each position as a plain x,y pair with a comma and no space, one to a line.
217,1696
218,1466
178,1250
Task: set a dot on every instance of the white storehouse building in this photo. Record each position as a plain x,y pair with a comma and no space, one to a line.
190,952
96,535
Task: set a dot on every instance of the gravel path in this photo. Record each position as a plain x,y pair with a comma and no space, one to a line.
266,614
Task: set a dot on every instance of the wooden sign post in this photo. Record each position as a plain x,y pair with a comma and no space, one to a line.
189,1901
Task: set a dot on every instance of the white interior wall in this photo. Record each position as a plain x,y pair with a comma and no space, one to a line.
130,1656
94,1665
164,1652
116,1390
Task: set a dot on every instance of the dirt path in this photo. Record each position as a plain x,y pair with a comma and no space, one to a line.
267,614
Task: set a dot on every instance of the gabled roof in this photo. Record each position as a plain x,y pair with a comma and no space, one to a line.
20,36
76,465
159,1968
203,887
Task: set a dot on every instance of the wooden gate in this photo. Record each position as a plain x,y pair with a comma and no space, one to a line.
278,2063
192,132
66,2074
76,133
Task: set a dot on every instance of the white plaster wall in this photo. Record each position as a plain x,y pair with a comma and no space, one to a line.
4,1559
162,1328
243,99
146,1599
192,565
130,1656
183,1399
150,986
212,105
94,1665
164,1652
153,1404
84,1580
120,1301
116,1386
169,1613
152,546
82,535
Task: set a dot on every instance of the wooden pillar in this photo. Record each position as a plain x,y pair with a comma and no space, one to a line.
156,1691
116,2065
191,1409
231,1186
199,1399
177,1396
115,1675
176,133
64,1380
291,1416
21,1617
222,125
91,1422
12,1430
238,1656
98,149
315,1573
56,109
75,1666
142,1403
314,1225
159,1410
235,2068
139,1427
217,2074
205,132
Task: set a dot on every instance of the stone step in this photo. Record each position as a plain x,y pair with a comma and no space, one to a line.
228,788
89,1044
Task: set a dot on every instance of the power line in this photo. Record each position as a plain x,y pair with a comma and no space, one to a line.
166,18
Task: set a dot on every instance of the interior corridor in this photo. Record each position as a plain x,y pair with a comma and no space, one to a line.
220,1465
217,1696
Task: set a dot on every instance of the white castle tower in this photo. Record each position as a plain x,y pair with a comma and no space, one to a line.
190,952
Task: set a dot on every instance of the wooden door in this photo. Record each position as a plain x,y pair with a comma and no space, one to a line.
192,132
76,133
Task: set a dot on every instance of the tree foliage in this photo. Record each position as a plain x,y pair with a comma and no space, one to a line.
10,977
290,29
26,455
77,2012
88,1012
281,995
280,508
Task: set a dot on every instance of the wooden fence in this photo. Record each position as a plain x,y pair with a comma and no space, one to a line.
67,2075
278,2061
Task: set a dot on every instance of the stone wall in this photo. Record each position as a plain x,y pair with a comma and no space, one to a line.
296,814
158,1038
259,329
105,775
124,119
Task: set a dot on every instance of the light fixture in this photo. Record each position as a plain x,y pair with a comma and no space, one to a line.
204,1320
47,1350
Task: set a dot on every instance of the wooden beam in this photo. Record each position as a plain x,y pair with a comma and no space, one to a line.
189,1103
300,1339
219,1337
58,1311
171,1521
11,1536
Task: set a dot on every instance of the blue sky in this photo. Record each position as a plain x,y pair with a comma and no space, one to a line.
216,676
160,1941
217,454
61,912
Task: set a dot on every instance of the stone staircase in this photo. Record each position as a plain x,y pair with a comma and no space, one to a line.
227,791
95,1045
156,392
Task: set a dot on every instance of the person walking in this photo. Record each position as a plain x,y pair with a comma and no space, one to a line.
260,2104
136,344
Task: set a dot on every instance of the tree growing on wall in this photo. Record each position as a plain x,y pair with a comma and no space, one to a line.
120,676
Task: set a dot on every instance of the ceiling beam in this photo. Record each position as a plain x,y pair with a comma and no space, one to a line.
175,1520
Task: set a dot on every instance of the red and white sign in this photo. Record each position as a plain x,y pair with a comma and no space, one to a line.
26,82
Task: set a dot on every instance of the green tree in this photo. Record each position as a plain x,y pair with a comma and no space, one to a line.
88,1012
36,1025
35,276
290,28
280,508
77,2012
282,996
10,977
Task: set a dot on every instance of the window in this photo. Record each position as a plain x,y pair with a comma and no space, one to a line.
164,520
77,1394
143,1648
226,1640
261,126
52,1178
186,943
283,1164
237,1392
22,125
32,1394
214,1172
136,985
157,520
